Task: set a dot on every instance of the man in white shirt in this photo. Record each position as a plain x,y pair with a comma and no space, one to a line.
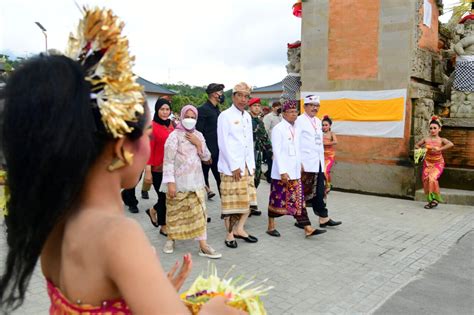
286,193
236,165
312,156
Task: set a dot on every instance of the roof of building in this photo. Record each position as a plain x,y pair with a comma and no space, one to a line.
151,87
277,87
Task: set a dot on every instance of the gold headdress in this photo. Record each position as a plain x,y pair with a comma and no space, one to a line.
103,52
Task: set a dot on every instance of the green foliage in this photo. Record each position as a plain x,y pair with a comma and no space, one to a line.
9,65
194,95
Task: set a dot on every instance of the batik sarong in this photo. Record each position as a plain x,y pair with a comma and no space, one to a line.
287,199
186,215
308,180
433,167
237,196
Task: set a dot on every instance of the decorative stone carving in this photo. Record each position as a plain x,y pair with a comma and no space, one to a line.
292,82
462,104
427,66
294,58
424,110
462,93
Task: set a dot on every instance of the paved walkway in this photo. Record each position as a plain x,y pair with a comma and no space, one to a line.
382,245
446,287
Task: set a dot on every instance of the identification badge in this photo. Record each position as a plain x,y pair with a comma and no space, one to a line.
292,149
317,139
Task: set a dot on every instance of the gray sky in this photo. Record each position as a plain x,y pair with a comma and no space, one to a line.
193,41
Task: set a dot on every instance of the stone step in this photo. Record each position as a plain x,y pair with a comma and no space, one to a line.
457,178
451,196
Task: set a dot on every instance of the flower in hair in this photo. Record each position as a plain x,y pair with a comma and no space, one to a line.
102,50
437,119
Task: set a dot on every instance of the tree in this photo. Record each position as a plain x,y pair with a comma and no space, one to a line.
9,65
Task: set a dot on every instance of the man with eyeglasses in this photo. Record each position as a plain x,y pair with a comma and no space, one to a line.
236,165
312,157
207,125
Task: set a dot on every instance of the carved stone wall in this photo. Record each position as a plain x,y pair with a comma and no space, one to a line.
427,66
462,94
423,111
426,75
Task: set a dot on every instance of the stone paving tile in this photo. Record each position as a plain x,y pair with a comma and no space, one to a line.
382,245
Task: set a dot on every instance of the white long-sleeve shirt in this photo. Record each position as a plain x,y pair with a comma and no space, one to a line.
311,142
235,139
270,121
286,153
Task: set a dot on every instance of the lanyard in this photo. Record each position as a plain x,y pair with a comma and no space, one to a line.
311,120
292,131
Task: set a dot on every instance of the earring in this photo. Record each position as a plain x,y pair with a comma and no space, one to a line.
118,163
128,156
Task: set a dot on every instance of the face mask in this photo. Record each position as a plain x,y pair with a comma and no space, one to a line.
221,99
279,110
188,123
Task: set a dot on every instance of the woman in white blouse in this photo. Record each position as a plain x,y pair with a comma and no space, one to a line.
183,183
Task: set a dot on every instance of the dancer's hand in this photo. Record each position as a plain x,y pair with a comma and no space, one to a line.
217,305
209,162
285,178
178,280
236,175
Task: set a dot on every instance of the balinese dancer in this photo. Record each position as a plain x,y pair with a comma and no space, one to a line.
286,193
433,164
329,141
79,125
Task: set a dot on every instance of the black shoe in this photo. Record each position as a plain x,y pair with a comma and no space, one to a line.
145,195
208,220
273,233
133,209
299,226
255,212
316,232
248,239
155,224
163,233
210,195
330,223
231,244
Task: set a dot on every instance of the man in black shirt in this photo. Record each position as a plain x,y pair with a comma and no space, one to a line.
207,125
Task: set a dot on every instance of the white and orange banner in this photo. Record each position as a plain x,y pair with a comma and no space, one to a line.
364,113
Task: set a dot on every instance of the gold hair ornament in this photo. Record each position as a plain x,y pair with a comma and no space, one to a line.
102,50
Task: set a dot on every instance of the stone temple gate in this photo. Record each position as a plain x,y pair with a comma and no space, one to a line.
374,48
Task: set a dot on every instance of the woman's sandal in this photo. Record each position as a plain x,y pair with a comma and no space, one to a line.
431,205
155,224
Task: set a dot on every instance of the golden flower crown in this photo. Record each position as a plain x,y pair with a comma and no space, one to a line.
102,50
